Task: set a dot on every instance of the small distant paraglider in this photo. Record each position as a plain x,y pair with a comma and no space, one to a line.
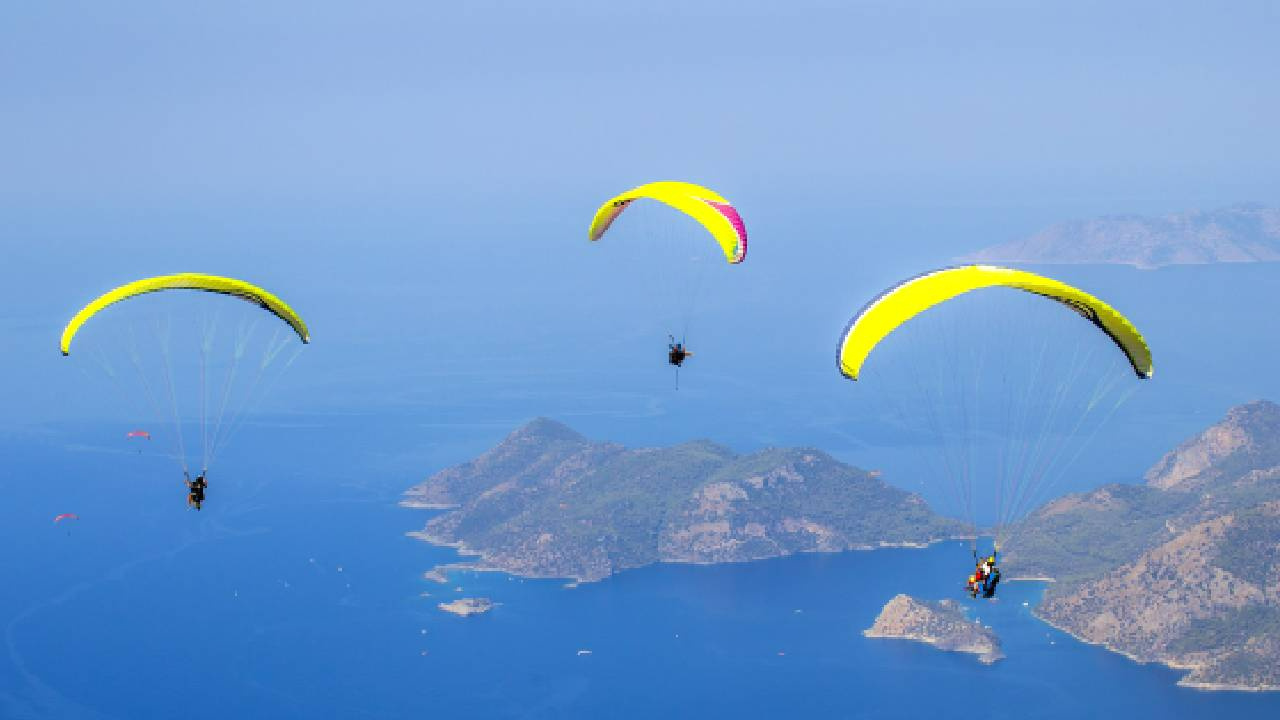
133,436
57,519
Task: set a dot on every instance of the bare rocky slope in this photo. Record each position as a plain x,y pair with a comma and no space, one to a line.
547,502
1242,233
941,624
1183,571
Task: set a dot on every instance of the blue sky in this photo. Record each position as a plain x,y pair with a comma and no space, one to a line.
417,178
390,106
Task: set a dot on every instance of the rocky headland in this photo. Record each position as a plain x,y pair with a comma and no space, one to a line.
943,625
1184,570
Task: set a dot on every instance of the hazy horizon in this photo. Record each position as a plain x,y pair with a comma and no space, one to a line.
417,180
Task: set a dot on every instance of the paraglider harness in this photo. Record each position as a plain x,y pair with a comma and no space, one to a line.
986,576
676,353
196,488
990,583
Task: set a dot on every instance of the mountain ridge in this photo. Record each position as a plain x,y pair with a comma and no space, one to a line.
1184,570
546,502
1242,233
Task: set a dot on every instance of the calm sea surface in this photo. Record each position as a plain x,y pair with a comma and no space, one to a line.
297,594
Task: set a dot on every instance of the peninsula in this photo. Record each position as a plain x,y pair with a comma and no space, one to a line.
547,502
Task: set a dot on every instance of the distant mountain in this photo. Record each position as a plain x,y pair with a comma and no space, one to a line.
1238,234
1185,570
547,502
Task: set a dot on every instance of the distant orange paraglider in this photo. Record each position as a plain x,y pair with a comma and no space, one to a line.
65,516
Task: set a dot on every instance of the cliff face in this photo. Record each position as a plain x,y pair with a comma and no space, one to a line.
1247,440
1188,603
548,503
1244,233
942,624
1184,571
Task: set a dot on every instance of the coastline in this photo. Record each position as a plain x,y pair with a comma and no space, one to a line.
423,505
1186,669
986,657
1224,687
484,563
439,574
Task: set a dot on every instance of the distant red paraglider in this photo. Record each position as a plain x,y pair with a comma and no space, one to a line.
65,516
133,435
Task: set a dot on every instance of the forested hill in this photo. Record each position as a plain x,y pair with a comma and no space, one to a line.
547,502
1184,570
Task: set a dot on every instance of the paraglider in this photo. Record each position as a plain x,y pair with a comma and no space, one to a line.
58,519
136,435
202,369
713,212
714,215
186,281
1009,402
899,304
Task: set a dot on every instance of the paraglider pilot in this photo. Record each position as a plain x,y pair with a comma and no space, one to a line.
676,352
985,577
195,489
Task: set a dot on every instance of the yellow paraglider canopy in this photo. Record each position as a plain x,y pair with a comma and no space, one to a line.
715,213
187,281
899,304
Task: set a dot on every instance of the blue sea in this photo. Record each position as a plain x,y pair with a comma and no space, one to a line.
297,594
